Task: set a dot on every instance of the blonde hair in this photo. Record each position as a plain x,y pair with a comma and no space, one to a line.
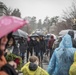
33,59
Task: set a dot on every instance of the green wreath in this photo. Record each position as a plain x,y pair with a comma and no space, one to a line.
15,58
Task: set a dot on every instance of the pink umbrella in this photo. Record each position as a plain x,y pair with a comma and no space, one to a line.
9,24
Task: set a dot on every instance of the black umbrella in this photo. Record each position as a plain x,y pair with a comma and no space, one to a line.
34,35
20,33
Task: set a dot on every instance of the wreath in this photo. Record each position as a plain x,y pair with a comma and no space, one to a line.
15,58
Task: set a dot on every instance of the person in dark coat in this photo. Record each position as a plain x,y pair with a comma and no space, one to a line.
12,46
23,47
71,33
50,45
30,47
42,46
9,69
37,46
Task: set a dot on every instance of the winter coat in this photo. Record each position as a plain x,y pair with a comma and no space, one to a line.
36,46
50,43
62,57
6,69
16,51
9,69
13,49
30,45
46,42
42,45
72,70
23,46
39,71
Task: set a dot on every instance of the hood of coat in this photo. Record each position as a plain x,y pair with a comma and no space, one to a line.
32,66
71,33
66,42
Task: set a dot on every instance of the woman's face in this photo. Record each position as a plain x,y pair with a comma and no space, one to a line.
10,41
41,37
3,43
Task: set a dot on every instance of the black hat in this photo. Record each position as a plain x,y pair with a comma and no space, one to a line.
71,33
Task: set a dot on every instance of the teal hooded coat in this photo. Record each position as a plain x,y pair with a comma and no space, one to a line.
62,57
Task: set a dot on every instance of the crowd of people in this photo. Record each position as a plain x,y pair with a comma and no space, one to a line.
62,58
37,45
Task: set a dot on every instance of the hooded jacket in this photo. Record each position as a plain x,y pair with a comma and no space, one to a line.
62,57
6,69
72,70
9,69
36,71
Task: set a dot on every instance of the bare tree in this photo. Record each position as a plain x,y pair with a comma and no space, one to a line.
9,11
32,22
70,14
46,23
16,12
54,20
39,24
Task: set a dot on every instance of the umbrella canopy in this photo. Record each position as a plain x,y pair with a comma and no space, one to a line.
9,24
21,33
63,32
34,35
39,32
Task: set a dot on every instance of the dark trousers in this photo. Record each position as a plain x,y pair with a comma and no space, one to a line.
22,54
37,54
29,51
51,52
41,52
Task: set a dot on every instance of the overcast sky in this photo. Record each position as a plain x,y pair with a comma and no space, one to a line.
39,8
